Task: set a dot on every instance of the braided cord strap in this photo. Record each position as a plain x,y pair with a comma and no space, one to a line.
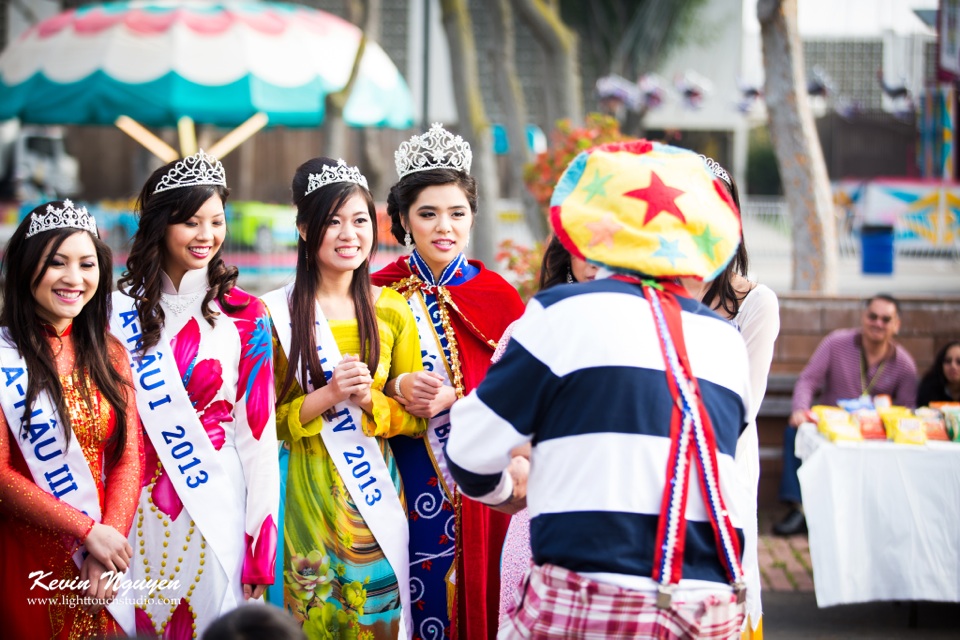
693,445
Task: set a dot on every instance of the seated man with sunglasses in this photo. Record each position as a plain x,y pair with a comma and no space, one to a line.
848,363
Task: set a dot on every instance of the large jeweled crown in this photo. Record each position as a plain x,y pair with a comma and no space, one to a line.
329,175
436,149
192,171
68,217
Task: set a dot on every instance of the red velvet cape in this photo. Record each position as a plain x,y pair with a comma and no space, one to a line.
488,304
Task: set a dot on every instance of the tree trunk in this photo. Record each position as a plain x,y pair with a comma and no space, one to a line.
797,147
514,106
334,127
474,126
371,156
559,45
334,132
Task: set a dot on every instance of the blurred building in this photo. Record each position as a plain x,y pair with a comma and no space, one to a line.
940,102
868,64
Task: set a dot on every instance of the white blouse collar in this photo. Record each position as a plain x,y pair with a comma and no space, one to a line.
192,282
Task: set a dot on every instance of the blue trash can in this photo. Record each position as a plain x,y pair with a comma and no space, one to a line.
876,249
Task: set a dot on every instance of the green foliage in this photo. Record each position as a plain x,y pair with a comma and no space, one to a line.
630,37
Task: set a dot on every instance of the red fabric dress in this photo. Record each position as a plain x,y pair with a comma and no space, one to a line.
40,533
481,309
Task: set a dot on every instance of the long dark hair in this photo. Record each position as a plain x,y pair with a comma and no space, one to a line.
24,265
934,379
141,280
555,266
721,293
405,192
314,211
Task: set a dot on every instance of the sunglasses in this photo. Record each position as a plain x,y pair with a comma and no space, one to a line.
873,317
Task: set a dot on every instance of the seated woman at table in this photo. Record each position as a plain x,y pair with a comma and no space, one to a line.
941,382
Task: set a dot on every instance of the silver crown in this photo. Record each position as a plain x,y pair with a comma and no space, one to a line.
329,175
69,217
436,149
192,171
716,169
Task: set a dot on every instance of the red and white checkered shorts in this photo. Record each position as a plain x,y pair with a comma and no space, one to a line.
557,603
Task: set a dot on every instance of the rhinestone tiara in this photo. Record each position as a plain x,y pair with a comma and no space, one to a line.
716,169
68,217
192,171
436,149
329,175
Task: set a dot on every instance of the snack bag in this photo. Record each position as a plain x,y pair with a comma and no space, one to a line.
933,423
940,406
836,424
871,427
909,430
882,401
852,405
951,419
890,415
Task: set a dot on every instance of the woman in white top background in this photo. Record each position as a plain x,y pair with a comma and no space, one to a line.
755,310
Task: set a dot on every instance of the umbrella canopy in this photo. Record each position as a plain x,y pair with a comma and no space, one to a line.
218,63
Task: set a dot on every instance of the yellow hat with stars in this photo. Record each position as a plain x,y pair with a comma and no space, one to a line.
646,208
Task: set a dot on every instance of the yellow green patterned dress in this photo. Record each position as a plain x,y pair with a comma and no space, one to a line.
337,582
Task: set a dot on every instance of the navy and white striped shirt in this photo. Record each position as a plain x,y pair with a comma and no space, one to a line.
583,379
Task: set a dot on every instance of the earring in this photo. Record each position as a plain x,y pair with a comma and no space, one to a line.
408,241
570,279
466,244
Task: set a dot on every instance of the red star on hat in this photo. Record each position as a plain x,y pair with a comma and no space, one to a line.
659,198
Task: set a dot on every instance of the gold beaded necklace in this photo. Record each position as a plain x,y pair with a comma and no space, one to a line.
165,520
414,284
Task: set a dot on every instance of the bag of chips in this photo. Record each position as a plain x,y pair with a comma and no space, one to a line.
836,424
951,420
871,427
909,430
882,401
933,423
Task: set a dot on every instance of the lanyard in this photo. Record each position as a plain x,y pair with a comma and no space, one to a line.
867,387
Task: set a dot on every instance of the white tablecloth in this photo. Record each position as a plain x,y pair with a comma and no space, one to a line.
884,519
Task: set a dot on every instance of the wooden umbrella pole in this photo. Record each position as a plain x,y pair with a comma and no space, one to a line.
145,137
188,136
235,138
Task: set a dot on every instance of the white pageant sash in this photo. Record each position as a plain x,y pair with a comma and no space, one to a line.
356,456
438,428
182,444
59,469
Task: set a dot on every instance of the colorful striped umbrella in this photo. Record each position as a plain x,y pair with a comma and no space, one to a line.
216,63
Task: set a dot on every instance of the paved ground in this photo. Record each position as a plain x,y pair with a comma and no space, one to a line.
784,562
794,615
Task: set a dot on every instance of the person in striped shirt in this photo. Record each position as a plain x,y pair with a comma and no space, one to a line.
625,386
